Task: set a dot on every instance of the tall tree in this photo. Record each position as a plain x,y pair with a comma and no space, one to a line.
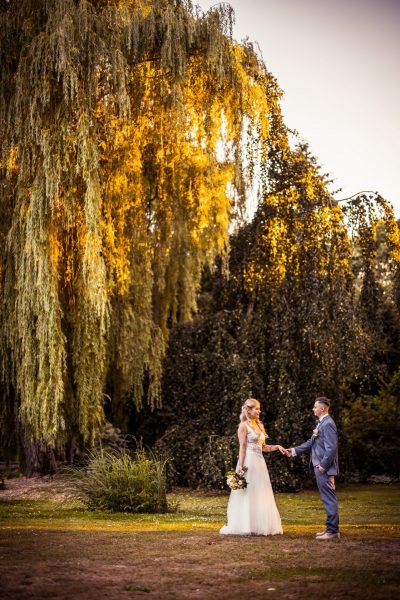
122,163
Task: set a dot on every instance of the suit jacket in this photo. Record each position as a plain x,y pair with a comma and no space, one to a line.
324,447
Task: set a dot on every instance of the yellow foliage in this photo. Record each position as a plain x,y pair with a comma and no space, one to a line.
304,228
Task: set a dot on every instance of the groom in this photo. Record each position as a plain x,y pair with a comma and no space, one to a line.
323,445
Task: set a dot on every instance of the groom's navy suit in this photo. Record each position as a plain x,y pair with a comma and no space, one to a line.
324,452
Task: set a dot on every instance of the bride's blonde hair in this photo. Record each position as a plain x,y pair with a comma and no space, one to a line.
251,403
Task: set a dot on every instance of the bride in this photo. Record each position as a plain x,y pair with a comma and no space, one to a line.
253,510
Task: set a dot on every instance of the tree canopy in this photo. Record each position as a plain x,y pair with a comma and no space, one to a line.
122,166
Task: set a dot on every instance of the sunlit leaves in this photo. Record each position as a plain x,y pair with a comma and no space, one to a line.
124,162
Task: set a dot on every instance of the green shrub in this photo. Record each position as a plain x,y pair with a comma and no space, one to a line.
372,427
119,481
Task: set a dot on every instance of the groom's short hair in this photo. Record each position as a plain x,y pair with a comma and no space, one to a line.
323,400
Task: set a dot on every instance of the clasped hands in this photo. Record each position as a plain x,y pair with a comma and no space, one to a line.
287,452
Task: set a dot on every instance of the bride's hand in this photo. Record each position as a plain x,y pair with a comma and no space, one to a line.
241,471
281,449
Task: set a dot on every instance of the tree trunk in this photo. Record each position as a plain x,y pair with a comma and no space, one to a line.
36,458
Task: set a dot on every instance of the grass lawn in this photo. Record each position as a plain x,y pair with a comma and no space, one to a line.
51,547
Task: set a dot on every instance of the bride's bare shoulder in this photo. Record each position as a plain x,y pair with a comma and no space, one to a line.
242,426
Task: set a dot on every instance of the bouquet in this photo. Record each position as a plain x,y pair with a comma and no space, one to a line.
235,480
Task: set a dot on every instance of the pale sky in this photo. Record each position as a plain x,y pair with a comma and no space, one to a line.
338,63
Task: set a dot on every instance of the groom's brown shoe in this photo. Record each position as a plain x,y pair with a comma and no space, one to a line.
328,536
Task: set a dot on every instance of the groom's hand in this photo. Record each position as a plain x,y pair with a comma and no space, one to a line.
288,452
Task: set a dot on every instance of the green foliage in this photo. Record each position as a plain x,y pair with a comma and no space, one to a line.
116,481
204,381
114,193
372,426
217,459
211,367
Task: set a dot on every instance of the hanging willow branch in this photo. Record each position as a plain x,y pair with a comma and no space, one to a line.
121,167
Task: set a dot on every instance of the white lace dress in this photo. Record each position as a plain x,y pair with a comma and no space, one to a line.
253,510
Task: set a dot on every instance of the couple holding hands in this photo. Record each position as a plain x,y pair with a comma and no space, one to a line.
252,510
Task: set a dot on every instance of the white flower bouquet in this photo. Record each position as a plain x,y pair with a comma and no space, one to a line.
235,480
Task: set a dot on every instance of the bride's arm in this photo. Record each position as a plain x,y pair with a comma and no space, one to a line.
242,435
273,448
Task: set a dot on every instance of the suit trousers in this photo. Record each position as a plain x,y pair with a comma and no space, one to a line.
327,491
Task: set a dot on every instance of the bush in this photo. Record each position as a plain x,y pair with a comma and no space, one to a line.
372,427
118,481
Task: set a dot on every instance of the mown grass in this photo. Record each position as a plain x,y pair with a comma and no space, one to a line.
55,548
361,508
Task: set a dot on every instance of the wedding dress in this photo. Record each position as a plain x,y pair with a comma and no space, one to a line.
253,510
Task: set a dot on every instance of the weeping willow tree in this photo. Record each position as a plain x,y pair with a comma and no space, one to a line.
122,165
